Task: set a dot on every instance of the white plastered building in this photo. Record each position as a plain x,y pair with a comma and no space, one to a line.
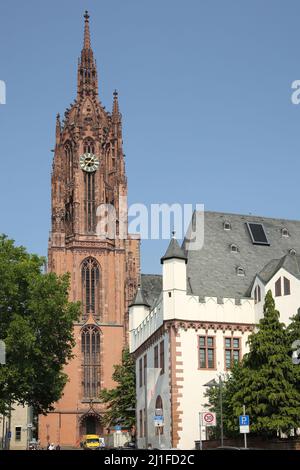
185,331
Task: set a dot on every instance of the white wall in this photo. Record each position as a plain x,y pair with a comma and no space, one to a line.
156,385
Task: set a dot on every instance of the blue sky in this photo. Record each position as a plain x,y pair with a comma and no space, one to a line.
204,89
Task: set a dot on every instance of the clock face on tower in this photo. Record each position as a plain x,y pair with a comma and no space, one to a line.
89,162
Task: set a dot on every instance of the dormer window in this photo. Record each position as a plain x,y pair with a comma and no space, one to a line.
234,248
292,251
285,233
240,271
227,225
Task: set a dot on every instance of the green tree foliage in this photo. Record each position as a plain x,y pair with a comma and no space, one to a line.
266,381
120,400
36,323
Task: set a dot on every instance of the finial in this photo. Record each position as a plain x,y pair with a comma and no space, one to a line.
173,233
115,93
87,38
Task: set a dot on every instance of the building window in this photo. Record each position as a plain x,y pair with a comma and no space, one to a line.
141,424
227,226
240,271
257,294
90,276
145,369
286,286
162,357
234,248
278,288
69,161
18,432
141,372
156,357
292,252
90,347
88,146
285,233
206,352
89,202
232,352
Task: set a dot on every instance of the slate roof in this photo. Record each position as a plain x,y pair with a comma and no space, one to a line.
151,286
139,298
212,271
289,262
174,251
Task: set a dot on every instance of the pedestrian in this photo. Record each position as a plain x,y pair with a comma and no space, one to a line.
51,447
57,447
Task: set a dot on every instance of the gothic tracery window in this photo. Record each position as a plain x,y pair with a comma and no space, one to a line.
90,275
90,205
69,160
90,348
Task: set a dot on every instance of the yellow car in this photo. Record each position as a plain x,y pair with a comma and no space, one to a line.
91,442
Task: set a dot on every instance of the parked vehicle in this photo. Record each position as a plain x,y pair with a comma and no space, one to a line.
91,442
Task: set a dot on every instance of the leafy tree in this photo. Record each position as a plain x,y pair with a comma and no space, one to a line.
293,333
266,381
120,400
36,324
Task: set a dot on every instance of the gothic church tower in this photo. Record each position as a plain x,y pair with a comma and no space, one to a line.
88,172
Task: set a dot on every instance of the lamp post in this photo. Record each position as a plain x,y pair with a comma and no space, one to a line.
214,383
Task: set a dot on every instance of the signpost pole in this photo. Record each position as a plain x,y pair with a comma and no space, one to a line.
200,429
245,434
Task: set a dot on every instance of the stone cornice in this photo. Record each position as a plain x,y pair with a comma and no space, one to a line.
190,324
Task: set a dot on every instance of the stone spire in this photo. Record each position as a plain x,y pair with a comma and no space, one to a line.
87,81
87,35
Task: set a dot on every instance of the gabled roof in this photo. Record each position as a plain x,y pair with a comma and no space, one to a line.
212,270
291,263
174,251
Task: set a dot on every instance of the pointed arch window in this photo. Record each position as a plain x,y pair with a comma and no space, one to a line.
89,203
90,276
88,146
90,348
257,294
69,160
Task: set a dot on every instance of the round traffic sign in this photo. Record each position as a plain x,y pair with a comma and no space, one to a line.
208,417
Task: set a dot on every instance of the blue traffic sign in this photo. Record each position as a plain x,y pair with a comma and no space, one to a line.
244,420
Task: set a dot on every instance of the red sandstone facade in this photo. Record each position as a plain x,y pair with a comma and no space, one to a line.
104,272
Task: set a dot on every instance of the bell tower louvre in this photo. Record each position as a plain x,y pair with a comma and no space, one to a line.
88,172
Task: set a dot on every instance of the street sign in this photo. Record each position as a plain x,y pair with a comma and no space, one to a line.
244,421
158,421
118,429
208,418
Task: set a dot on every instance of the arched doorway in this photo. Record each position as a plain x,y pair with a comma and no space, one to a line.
90,423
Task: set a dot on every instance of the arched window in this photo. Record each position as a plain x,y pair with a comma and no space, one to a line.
89,202
257,294
69,160
90,277
88,146
90,348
